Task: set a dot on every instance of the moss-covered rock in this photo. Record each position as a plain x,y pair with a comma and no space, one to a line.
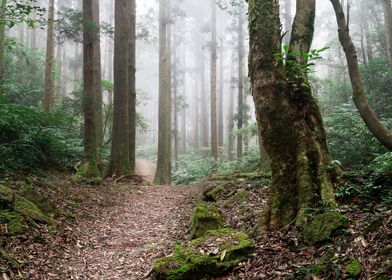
43,202
212,255
88,174
212,194
29,209
206,217
13,220
323,226
353,268
6,196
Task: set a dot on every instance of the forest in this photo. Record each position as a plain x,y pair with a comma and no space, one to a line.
184,139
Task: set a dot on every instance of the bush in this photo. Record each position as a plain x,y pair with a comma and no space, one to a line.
32,140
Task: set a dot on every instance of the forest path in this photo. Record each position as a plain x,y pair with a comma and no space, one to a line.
141,224
145,168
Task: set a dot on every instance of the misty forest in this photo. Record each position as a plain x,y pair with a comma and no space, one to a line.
184,139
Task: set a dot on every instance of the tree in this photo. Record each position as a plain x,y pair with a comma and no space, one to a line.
119,157
214,132
49,74
163,173
359,94
388,28
132,87
2,38
288,116
91,86
240,120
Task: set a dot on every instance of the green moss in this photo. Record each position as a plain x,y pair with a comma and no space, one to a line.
213,194
205,217
323,226
29,209
43,202
212,255
14,221
88,174
11,261
241,196
6,196
353,269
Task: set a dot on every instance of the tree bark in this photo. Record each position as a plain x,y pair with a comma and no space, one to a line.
290,122
132,86
240,121
119,157
230,135
49,81
388,28
89,169
2,41
214,132
220,103
359,95
163,173
204,121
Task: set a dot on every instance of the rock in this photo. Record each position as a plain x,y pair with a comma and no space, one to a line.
212,194
29,209
353,269
205,217
43,203
6,197
323,226
212,255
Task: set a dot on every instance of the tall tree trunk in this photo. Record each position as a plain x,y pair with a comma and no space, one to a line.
175,102
49,73
132,87
214,133
33,35
359,95
196,113
220,102
184,108
98,78
89,169
230,135
2,41
204,121
287,21
240,121
163,173
365,21
388,28
119,157
290,123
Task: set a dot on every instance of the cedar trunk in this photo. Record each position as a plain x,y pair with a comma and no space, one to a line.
163,173
49,73
214,132
2,40
240,121
290,123
119,157
132,87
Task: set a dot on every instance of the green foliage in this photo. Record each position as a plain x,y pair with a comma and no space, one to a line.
31,139
21,11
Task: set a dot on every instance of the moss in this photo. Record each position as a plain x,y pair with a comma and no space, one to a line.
11,261
205,217
323,226
212,255
43,203
88,174
29,209
213,194
15,223
241,196
6,196
353,269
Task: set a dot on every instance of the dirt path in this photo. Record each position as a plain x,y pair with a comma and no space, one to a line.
125,240
145,168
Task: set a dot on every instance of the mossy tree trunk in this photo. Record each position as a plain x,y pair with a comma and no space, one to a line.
49,73
289,118
163,172
132,86
119,157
